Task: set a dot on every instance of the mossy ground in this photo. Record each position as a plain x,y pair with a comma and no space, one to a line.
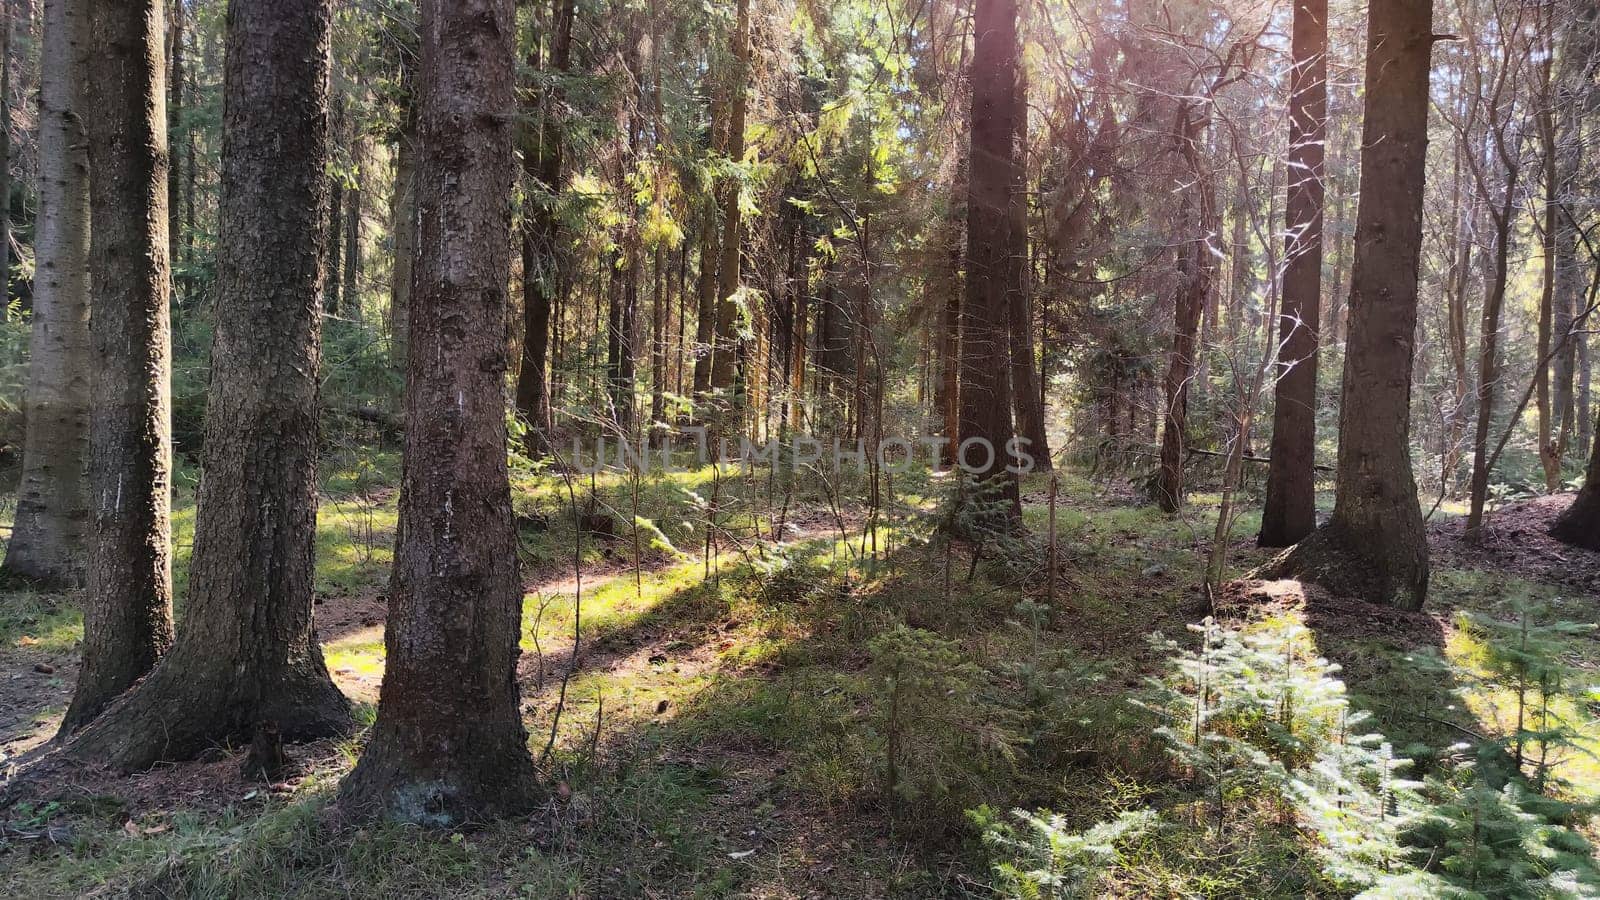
723,733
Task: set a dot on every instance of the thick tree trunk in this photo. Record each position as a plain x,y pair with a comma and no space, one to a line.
725,356
1375,546
127,612
51,528
1027,401
449,744
247,658
1579,524
1290,512
541,161
985,392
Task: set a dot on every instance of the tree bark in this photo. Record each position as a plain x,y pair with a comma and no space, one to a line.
51,528
725,356
449,744
1374,547
350,301
247,658
985,391
1290,512
1579,524
127,613
1196,272
175,126
541,161
1027,401
403,223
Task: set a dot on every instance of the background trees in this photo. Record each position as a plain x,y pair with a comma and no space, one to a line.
1131,231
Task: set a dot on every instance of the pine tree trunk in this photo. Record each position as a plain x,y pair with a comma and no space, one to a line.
332,290
403,226
247,658
705,306
1489,355
48,539
1375,546
1579,524
449,744
1027,401
985,391
127,611
1196,272
5,156
725,356
175,127
541,161
1290,512
350,302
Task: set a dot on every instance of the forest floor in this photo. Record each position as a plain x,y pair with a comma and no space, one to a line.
724,728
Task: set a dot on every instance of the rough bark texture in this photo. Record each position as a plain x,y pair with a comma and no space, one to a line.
1579,525
247,658
449,744
725,357
1290,512
48,537
1196,272
403,224
541,161
127,613
1375,546
1027,400
985,392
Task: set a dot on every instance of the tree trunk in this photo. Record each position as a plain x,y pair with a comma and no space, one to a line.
247,658
127,611
1489,352
1290,512
725,355
403,224
705,306
5,156
175,126
449,744
350,302
332,291
541,161
1196,272
51,528
1375,547
985,391
1579,524
1027,401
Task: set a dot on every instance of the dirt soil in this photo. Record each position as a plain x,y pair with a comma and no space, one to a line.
1516,541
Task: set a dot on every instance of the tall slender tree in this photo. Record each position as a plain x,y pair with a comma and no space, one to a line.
1290,512
48,537
985,390
247,658
127,613
1579,524
1374,546
725,355
449,744
541,162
